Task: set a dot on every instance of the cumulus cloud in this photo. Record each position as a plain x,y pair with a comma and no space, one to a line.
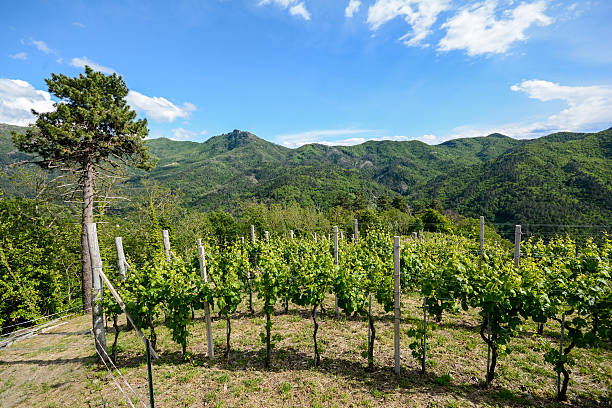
158,108
81,62
419,14
587,106
19,56
184,134
18,98
477,30
296,7
352,8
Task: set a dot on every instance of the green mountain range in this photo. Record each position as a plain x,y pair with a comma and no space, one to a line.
562,178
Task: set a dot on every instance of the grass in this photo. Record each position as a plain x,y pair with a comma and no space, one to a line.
60,370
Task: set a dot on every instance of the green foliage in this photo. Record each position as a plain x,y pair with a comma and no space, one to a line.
38,263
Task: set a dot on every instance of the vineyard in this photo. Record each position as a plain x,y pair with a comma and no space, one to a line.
555,295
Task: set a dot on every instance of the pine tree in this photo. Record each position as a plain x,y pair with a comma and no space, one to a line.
92,132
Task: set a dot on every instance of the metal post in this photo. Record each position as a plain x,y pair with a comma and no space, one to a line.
424,334
150,372
560,352
209,338
336,262
488,346
396,296
369,330
481,235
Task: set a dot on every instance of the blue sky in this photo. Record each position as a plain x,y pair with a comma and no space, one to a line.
327,71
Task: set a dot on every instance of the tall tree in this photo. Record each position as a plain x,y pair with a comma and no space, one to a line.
92,133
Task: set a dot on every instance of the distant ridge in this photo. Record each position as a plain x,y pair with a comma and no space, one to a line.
563,178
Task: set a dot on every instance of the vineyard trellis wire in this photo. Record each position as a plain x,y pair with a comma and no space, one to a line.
536,280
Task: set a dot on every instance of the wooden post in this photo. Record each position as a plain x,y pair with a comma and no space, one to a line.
356,227
517,245
166,238
396,296
415,236
252,233
96,308
336,262
120,257
315,237
291,234
267,237
420,237
209,338
481,235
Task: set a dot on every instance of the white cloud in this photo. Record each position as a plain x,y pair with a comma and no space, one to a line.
316,136
184,134
342,137
158,108
419,14
477,29
352,8
19,56
589,109
588,106
79,25
17,98
42,46
300,10
296,7
81,62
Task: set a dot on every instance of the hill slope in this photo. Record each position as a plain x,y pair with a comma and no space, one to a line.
563,178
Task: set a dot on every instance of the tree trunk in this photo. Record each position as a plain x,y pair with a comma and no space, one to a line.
87,217
371,345
317,359
267,361
228,329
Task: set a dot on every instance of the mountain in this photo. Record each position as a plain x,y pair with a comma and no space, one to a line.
563,178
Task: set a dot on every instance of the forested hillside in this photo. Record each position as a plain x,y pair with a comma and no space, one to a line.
563,178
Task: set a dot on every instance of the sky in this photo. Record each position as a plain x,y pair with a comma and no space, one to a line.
323,71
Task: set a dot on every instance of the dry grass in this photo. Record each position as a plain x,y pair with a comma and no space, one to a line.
59,368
